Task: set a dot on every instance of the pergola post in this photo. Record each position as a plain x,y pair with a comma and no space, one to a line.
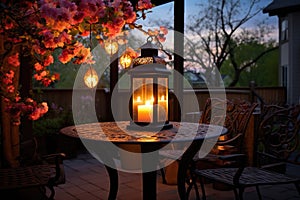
178,57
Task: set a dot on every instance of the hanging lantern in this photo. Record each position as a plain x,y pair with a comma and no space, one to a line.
111,47
91,78
125,60
149,107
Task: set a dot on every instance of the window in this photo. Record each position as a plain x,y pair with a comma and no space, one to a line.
284,29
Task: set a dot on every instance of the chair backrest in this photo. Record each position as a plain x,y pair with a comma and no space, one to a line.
237,115
29,152
278,133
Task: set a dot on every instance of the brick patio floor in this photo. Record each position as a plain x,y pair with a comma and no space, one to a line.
87,180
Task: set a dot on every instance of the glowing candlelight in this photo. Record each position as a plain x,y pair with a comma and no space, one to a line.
145,112
162,109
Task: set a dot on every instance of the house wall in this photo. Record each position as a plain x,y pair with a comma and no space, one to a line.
293,95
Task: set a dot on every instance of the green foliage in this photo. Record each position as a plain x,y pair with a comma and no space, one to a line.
264,71
53,121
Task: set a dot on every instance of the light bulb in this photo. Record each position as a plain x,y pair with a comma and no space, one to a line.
111,47
91,78
125,60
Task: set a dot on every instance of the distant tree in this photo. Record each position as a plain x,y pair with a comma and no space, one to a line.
218,33
264,71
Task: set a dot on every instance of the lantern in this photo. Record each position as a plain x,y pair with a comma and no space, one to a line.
111,47
91,78
126,60
149,107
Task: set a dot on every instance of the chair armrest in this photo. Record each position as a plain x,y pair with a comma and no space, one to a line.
240,159
233,157
55,156
56,159
226,142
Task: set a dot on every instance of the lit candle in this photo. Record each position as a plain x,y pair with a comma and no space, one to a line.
145,112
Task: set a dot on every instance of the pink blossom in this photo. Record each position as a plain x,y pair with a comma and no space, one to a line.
17,99
37,77
55,77
161,37
164,30
144,5
78,17
29,100
85,33
49,60
8,77
38,67
65,38
52,24
43,73
8,25
10,89
38,49
46,82
39,111
14,60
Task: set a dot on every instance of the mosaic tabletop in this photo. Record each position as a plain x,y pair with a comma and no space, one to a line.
119,133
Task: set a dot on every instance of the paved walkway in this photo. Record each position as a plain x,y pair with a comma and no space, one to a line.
87,180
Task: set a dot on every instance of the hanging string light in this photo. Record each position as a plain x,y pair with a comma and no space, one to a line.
111,47
126,60
91,77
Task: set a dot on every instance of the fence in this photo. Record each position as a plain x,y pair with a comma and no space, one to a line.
63,98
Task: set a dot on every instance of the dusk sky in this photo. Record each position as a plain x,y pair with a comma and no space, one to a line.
166,11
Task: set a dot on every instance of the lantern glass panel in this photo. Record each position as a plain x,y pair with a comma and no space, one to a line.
143,100
162,100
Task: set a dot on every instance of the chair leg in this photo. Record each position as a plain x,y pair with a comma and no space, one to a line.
258,192
189,188
297,187
196,188
236,194
52,194
163,176
202,189
191,184
43,191
241,193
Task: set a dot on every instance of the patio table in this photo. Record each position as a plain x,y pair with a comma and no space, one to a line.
101,133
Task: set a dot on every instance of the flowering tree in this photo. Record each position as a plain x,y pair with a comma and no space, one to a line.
36,28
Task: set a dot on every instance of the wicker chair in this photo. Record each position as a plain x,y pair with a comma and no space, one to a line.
35,171
278,144
234,115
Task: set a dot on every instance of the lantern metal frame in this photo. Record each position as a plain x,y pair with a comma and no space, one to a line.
151,70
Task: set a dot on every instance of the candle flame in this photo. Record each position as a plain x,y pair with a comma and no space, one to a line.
152,99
